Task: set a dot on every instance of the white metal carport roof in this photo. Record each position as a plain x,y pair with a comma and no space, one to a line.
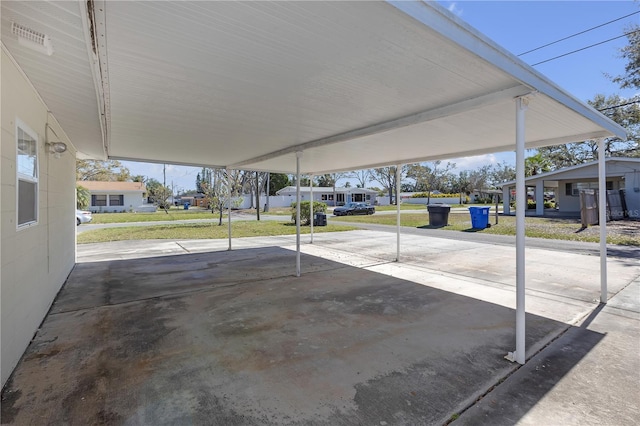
253,85
247,84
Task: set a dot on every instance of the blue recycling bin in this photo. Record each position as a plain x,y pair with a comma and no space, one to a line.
186,206
479,217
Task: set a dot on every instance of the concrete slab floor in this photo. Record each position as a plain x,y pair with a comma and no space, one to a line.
217,337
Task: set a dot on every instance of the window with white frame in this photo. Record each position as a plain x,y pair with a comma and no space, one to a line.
27,175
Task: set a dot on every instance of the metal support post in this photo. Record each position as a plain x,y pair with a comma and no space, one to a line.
298,155
602,211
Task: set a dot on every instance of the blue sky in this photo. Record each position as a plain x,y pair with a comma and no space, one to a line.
519,26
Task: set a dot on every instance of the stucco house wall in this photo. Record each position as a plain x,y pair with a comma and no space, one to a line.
35,259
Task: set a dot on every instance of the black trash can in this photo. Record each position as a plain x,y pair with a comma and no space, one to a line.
438,214
319,219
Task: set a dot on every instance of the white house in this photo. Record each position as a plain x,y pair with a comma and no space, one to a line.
326,194
622,174
115,196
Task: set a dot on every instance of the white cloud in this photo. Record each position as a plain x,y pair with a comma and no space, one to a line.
475,162
455,9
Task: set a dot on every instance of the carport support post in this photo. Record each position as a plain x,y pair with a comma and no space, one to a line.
521,207
398,177
229,186
602,212
311,205
298,155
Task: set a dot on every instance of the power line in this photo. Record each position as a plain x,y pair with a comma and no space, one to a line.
577,34
619,106
584,48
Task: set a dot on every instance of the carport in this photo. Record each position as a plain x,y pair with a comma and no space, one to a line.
302,88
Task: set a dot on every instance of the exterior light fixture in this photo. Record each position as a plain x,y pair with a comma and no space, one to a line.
57,148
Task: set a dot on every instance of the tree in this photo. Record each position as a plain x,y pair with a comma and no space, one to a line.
502,172
219,192
158,193
624,112
277,181
536,164
83,197
110,170
386,176
428,178
138,178
631,52
362,177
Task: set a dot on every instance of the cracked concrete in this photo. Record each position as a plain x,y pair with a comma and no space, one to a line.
146,333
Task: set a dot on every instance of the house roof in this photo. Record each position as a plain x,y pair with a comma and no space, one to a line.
634,165
319,189
247,85
93,186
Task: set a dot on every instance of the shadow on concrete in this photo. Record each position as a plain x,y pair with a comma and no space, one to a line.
233,338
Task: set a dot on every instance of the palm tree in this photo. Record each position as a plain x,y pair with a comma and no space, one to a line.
83,197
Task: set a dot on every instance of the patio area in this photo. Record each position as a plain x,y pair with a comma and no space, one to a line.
185,332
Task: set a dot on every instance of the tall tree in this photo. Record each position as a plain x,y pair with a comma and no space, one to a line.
222,189
386,176
362,177
431,177
536,164
631,52
277,181
110,170
83,197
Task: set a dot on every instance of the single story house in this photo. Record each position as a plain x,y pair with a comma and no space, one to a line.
622,173
115,196
326,194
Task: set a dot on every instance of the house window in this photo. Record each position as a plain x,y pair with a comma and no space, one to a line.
327,197
99,200
27,175
116,200
575,187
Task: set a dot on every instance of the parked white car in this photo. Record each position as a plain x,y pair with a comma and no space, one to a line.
83,216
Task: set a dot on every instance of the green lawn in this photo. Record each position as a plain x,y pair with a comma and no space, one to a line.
561,229
160,215
201,231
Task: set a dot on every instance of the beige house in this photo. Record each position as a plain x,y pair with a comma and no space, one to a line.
115,196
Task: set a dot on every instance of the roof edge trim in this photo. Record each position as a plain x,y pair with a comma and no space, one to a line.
450,26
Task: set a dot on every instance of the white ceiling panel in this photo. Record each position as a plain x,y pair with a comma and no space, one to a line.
247,84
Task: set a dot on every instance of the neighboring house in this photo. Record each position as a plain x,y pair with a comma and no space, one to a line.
326,194
622,174
115,196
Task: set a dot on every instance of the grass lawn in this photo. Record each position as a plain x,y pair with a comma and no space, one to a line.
561,229
201,231
160,215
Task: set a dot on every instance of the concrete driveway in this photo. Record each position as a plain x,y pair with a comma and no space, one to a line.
185,332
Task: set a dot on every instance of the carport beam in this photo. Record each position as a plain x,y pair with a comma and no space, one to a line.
298,155
602,219
398,178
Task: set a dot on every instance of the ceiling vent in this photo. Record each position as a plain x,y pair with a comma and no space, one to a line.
32,39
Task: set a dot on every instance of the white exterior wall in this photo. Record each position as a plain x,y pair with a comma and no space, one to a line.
34,261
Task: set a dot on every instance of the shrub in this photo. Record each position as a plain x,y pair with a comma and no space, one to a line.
305,217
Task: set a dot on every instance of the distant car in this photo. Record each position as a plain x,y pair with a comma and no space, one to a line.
83,216
354,208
